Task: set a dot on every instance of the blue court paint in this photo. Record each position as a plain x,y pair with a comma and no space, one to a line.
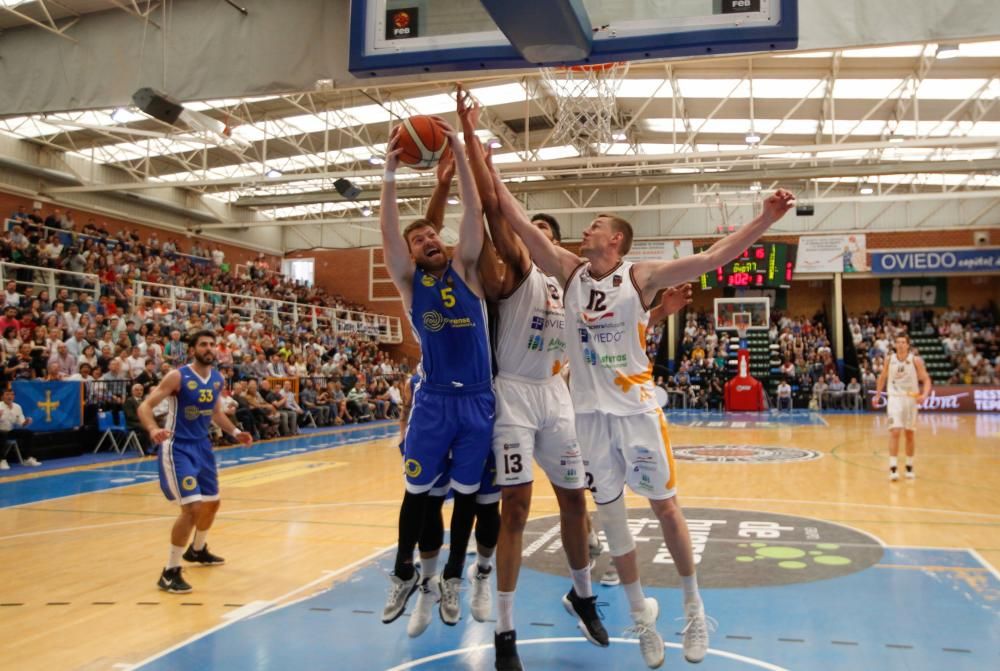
917,609
110,476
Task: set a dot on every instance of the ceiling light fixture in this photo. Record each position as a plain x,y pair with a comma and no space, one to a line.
619,136
453,200
946,51
366,211
273,174
495,143
755,186
752,138
376,160
867,190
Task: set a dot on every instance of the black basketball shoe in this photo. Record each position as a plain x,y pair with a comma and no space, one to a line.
202,556
172,581
505,645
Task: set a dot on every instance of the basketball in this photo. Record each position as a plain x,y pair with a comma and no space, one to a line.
422,142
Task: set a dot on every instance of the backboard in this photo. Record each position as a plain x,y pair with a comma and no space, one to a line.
391,37
742,314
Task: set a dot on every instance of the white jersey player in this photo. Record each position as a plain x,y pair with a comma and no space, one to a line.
619,425
534,416
908,387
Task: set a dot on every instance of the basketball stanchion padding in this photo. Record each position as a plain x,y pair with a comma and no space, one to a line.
422,141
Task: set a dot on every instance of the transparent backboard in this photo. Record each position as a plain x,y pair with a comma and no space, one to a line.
406,36
736,314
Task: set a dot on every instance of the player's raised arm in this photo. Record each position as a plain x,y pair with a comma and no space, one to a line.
470,230
444,173
397,255
651,276
168,386
552,259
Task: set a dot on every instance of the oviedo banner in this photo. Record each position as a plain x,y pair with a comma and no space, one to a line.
979,260
958,399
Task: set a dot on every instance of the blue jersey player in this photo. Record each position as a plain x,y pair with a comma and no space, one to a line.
188,474
451,421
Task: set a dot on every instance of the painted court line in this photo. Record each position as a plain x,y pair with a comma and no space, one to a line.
760,664
268,604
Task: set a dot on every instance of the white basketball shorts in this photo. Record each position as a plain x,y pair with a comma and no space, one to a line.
535,422
634,449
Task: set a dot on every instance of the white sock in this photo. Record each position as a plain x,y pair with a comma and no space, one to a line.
483,562
690,585
893,462
176,551
636,599
909,462
505,612
581,582
428,567
200,538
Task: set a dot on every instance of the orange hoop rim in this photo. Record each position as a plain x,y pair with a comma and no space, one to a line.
595,67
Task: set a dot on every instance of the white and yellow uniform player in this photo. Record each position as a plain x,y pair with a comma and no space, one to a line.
619,422
620,427
908,385
534,414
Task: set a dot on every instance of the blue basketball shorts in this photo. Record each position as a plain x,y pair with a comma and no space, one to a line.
188,472
448,440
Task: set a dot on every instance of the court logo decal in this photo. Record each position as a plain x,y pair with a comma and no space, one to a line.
743,454
732,548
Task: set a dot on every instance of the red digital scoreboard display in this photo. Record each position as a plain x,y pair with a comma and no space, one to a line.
765,265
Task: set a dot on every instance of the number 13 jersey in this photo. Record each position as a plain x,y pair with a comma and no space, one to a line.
609,369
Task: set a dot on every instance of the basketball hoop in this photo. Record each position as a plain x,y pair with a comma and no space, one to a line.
741,322
586,111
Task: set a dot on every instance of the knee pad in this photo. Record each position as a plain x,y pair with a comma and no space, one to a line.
614,521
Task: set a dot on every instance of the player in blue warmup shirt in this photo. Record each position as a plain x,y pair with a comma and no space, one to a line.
188,475
451,421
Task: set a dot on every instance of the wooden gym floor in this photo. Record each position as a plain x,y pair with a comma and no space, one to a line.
299,516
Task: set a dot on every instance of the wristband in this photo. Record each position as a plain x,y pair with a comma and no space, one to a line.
389,177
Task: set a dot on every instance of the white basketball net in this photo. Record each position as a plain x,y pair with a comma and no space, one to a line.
586,112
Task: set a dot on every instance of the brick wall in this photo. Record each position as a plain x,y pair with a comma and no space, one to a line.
234,253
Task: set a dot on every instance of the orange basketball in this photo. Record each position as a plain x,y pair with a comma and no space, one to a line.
422,142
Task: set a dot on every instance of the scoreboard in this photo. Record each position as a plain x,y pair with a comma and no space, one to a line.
762,265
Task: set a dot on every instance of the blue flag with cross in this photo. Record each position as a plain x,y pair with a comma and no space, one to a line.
52,406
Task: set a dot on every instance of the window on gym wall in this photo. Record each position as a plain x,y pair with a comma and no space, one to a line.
299,270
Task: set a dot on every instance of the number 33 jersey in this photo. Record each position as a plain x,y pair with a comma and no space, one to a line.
609,369
193,405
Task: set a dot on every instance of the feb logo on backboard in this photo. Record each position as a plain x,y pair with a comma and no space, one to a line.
401,24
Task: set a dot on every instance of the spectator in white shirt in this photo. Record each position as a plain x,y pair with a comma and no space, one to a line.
784,395
11,297
136,363
12,426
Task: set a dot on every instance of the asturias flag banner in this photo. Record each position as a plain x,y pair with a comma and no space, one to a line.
52,406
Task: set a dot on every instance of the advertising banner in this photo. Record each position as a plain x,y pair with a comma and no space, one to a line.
959,398
832,254
923,261
659,250
914,292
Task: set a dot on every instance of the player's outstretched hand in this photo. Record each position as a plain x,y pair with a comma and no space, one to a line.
160,435
244,437
777,204
447,129
446,167
677,298
393,151
468,110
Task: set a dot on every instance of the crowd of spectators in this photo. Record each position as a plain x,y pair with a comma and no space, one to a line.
970,338
282,372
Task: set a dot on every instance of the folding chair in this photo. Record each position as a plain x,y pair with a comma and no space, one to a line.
106,423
